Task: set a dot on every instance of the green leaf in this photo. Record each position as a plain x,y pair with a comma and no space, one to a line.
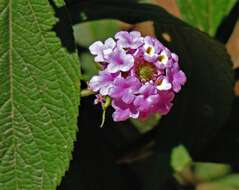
230,182
205,15
59,3
91,32
39,97
88,66
204,104
147,124
210,171
180,158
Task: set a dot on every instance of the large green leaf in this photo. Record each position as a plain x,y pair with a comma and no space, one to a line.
205,102
205,15
39,97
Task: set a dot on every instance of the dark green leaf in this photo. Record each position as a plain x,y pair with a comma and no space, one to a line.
153,172
222,147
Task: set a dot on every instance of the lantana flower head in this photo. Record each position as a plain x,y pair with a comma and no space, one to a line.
139,74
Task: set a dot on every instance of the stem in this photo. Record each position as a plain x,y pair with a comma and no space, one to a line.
104,107
86,92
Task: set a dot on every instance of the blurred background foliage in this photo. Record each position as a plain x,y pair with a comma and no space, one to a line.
128,155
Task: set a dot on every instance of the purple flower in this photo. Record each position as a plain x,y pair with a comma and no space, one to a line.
165,102
164,59
102,82
151,101
118,60
102,50
174,58
131,40
140,75
179,79
125,88
176,77
163,84
152,47
99,99
147,99
123,110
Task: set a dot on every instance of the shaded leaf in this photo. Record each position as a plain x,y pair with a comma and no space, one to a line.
221,148
153,172
94,159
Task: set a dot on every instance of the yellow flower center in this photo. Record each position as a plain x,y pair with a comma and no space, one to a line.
162,58
149,50
145,71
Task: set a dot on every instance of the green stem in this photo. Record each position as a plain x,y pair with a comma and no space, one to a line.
86,92
104,107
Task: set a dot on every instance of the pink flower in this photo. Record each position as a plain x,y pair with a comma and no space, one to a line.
147,99
99,99
123,110
125,88
140,75
176,77
102,82
118,60
102,50
152,48
131,40
164,59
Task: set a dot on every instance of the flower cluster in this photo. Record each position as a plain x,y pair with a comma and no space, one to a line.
139,74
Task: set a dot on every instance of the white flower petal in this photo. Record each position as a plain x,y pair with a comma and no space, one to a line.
96,47
110,43
165,85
